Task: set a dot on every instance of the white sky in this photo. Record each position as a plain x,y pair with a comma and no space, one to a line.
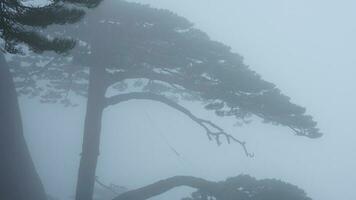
307,48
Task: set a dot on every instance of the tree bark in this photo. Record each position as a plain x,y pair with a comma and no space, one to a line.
18,177
91,138
168,184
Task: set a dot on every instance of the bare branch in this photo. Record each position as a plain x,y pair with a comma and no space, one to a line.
109,188
43,68
213,131
166,185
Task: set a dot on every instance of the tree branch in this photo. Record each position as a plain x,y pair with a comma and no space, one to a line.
239,187
298,132
212,130
109,188
166,185
151,75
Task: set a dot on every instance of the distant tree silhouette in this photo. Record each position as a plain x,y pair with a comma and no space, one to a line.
242,187
245,187
152,54
21,25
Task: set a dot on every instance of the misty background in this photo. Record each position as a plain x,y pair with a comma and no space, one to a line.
307,48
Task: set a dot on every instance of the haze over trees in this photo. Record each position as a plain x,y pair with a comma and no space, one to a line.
147,54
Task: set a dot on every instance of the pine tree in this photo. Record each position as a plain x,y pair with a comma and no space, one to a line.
20,26
165,59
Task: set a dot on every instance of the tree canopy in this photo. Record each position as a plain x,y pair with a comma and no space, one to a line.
245,187
20,23
159,52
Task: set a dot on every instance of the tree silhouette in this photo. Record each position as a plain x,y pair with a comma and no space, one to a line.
152,54
20,25
242,187
245,187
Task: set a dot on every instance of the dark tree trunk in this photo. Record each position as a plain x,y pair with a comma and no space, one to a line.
91,138
18,177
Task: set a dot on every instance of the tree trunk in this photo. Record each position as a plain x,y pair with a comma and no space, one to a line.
18,177
91,138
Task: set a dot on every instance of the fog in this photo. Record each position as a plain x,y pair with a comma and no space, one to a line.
306,48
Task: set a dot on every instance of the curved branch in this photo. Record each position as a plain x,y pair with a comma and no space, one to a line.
109,188
239,187
212,130
169,78
166,185
175,80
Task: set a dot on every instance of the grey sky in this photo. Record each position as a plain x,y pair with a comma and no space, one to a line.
307,48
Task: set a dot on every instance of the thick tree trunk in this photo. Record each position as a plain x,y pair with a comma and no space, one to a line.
91,138
18,177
